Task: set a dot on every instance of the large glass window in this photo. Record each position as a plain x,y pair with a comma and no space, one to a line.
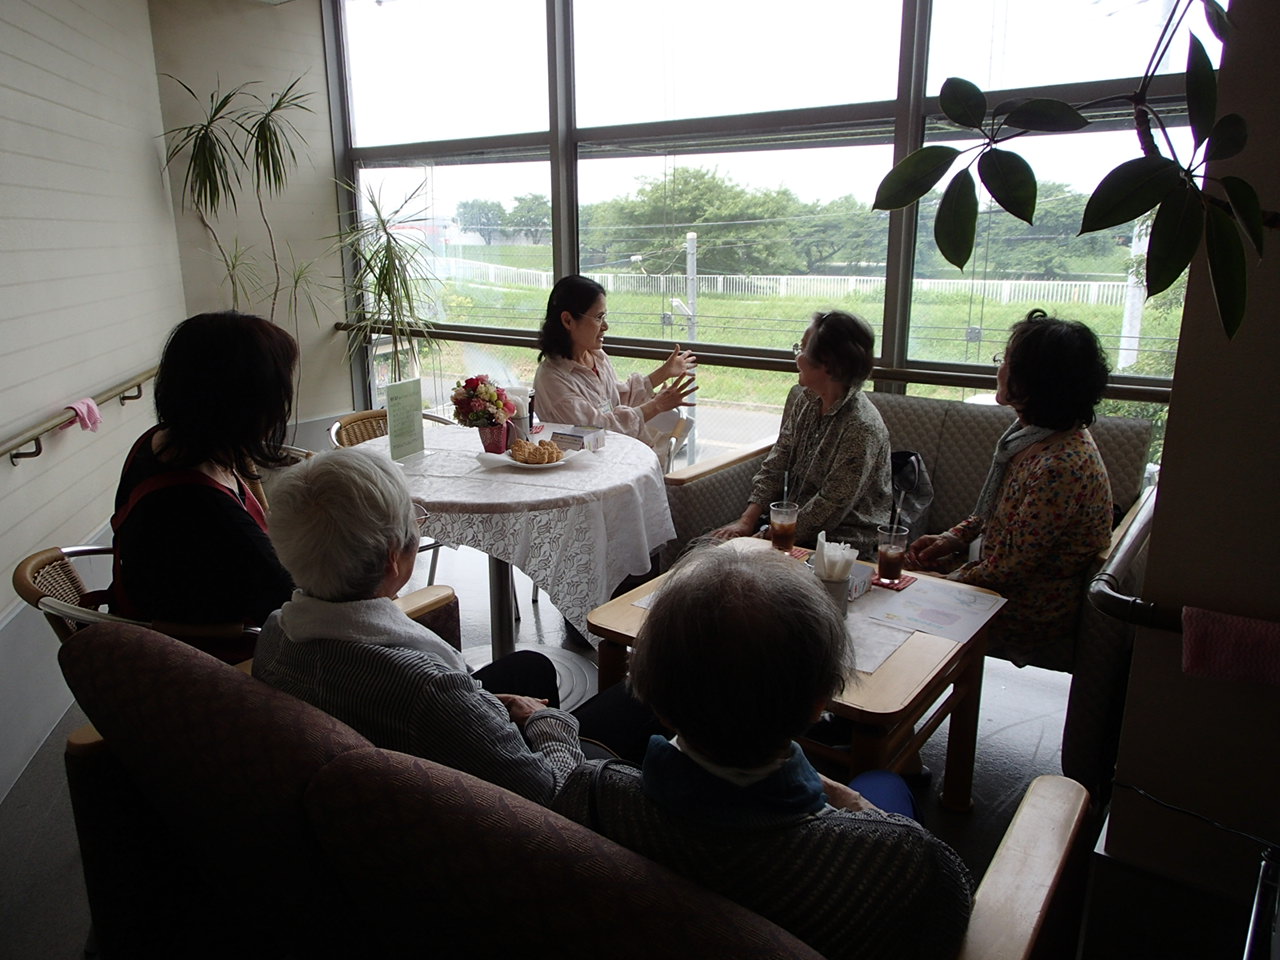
444,71
672,59
1007,44
717,162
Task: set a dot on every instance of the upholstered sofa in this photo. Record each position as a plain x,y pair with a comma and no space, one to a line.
220,817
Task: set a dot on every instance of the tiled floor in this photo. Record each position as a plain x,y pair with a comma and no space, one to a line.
43,914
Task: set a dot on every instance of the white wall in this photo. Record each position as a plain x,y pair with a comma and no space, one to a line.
220,44
91,284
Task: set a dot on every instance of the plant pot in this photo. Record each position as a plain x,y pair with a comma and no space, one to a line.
494,439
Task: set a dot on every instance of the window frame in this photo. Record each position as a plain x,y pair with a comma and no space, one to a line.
904,122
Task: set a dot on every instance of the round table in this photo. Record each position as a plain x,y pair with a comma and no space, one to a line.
577,529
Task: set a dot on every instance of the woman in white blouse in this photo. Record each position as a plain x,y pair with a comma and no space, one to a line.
575,382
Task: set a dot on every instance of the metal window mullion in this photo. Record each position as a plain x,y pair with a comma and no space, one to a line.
563,132
913,61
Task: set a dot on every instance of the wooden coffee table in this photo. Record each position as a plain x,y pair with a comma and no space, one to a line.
892,711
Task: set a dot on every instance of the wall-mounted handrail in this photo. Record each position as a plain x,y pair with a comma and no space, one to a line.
1104,591
130,389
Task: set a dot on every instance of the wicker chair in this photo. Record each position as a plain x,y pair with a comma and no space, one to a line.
50,582
364,425
356,428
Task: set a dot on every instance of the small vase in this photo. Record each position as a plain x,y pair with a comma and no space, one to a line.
494,439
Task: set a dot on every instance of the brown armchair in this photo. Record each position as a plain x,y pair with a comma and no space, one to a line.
220,817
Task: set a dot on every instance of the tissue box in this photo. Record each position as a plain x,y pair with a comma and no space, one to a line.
579,438
860,580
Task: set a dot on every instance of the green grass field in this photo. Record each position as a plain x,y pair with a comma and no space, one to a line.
944,328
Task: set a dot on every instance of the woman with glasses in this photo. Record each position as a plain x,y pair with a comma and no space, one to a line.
346,529
575,382
1045,509
832,454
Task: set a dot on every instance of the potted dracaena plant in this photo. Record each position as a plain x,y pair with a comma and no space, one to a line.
241,137
1190,207
245,138
391,280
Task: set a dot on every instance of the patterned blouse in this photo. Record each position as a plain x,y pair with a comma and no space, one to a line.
1051,519
838,466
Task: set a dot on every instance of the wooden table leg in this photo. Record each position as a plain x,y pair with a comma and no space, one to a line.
962,736
611,663
502,620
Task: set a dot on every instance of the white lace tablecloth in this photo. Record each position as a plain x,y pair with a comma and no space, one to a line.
577,529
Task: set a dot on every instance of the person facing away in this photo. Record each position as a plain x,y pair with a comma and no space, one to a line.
345,527
575,382
1044,512
739,654
832,453
190,541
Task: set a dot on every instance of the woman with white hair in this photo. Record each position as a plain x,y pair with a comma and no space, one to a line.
343,525
740,653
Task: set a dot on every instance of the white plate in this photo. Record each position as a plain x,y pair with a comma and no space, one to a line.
506,460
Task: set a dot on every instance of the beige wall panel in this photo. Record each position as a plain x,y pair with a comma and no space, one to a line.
229,42
1211,746
90,282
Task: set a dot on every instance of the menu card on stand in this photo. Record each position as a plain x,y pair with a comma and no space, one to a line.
404,418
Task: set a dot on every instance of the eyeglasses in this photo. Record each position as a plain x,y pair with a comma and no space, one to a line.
598,318
420,516
797,349
998,359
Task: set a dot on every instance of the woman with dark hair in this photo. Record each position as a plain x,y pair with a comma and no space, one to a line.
191,541
1044,512
575,382
832,454
739,653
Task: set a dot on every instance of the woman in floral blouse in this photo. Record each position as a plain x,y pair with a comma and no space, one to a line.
832,454
1045,509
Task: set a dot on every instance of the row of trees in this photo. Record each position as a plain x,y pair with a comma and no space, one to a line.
747,231
529,219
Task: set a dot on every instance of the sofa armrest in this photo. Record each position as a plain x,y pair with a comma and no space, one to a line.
708,495
1123,527
1011,901
705,468
436,608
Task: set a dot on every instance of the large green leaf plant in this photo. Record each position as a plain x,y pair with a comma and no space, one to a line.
1190,208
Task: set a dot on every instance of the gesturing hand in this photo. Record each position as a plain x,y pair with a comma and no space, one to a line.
674,394
677,365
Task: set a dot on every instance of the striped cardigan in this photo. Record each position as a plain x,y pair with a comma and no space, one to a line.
854,886
402,687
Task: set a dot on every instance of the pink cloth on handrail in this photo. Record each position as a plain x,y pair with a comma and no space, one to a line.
1225,646
87,415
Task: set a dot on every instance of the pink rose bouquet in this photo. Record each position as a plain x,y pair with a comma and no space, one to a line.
478,403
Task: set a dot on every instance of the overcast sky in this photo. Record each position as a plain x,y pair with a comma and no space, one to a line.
664,59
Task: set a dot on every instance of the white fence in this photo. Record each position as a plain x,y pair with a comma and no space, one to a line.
1109,293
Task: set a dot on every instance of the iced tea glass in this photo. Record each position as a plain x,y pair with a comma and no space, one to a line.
893,550
782,524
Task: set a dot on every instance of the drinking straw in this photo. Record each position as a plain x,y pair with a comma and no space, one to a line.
897,509
786,482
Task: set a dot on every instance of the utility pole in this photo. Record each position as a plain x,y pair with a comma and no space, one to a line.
691,283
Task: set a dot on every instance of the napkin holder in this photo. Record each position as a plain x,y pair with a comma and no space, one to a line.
579,438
